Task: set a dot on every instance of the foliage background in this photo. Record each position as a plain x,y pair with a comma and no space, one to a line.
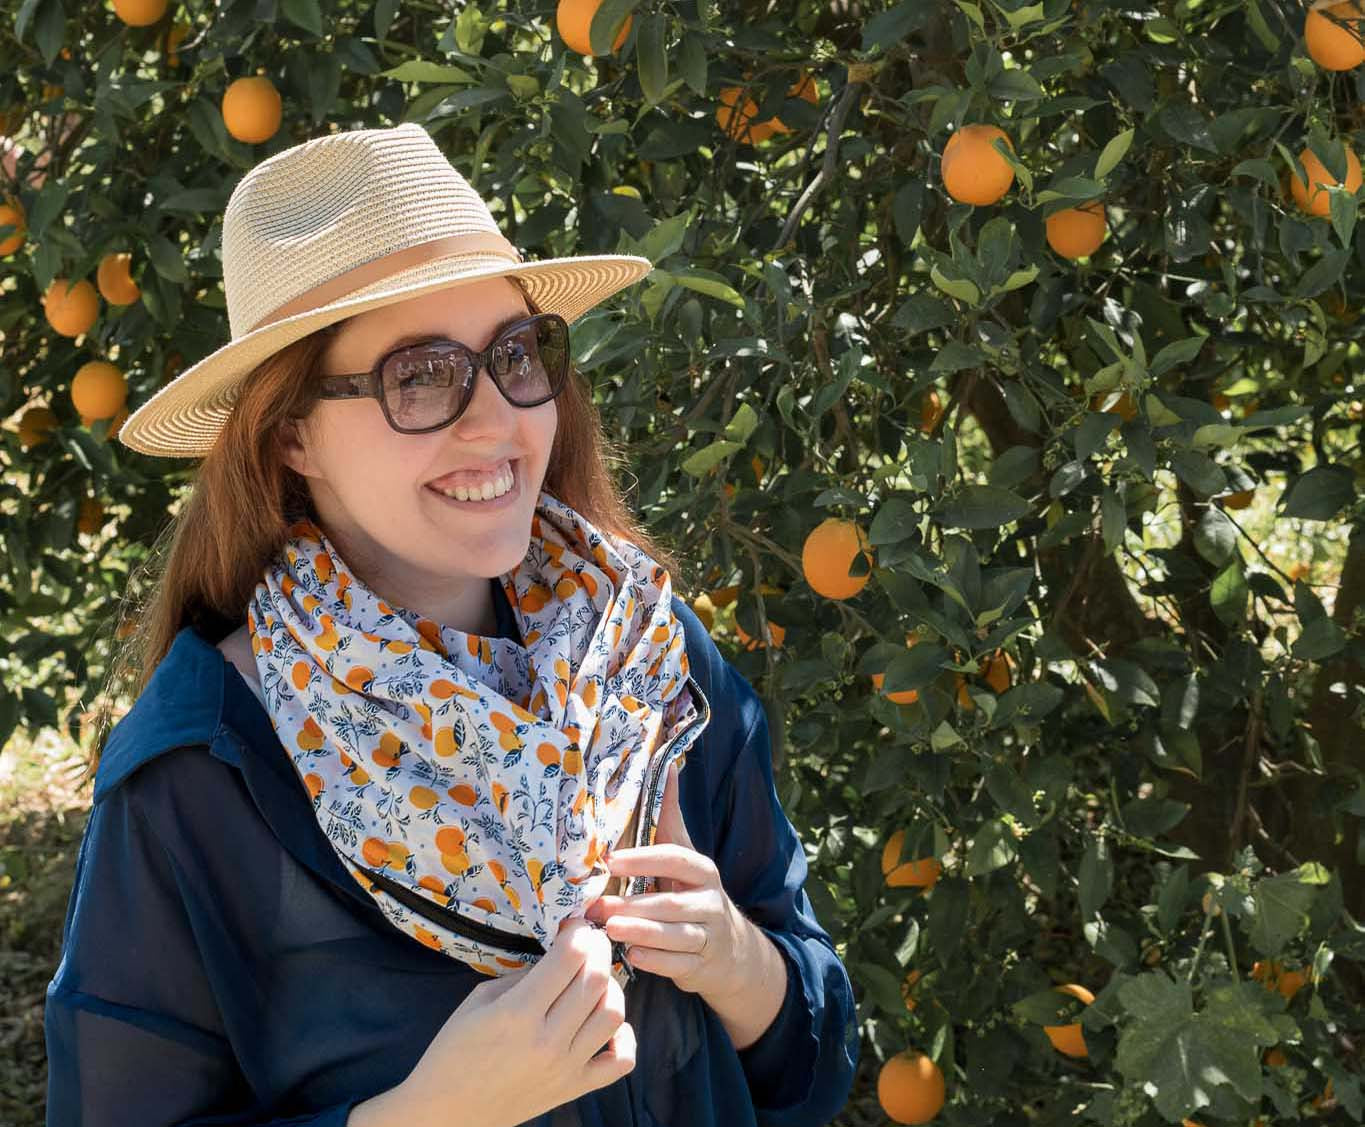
1170,790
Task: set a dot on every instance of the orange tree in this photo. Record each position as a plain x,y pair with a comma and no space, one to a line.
1001,369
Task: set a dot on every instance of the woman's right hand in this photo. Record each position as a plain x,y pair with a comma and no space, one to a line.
527,1041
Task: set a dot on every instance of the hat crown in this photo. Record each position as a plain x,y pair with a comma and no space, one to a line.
326,206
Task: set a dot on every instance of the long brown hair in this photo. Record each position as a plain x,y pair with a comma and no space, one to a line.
206,561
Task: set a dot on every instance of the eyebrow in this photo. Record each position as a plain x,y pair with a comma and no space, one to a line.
422,338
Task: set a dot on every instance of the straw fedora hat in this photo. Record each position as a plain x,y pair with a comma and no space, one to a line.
338,225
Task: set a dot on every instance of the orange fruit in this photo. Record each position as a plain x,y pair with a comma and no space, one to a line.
91,518
908,989
1075,232
115,424
71,311
139,13
930,411
724,596
1275,1058
1330,45
922,872
98,390
1123,406
115,280
736,121
998,671
1297,571
827,555
910,1087
1220,401
973,172
35,425
1239,500
1318,202
252,109
12,214
778,633
573,18
705,610
1068,1039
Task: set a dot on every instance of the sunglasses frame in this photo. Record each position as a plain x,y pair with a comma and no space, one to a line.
370,385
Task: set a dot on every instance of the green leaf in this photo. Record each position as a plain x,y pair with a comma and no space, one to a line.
1181,1057
700,461
1324,273
962,289
305,13
421,70
1215,536
1229,594
992,848
1113,152
1282,905
1319,639
915,667
741,424
1319,494
1096,879
982,506
1177,352
1199,472
708,283
652,57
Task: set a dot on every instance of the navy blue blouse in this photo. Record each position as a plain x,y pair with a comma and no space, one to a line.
220,966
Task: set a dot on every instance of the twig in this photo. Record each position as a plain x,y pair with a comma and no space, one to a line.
826,173
1253,738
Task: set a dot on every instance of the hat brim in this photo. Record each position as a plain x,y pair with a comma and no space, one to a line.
183,418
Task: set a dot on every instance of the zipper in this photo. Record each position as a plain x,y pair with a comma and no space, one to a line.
664,760
529,945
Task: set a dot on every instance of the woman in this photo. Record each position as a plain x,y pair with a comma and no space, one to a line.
347,861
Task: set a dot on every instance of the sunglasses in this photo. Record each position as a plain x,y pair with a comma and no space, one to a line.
424,387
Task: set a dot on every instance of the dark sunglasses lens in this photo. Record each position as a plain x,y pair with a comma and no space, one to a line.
428,384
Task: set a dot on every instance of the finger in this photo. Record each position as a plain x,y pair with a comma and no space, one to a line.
667,907
683,935
671,860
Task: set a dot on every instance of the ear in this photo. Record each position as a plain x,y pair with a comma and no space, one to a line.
293,449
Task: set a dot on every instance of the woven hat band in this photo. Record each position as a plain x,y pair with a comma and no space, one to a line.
376,270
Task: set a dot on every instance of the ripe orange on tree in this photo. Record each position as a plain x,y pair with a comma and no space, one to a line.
99,390
908,990
139,13
12,215
1123,406
904,696
35,425
1330,45
829,552
115,280
252,109
749,643
910,1087
930,411
922,872
972,170
573,18
1075,232
737,120
1068,1039
71,311
1317,201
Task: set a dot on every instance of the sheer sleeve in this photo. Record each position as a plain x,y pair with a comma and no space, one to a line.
132,1028
800,1070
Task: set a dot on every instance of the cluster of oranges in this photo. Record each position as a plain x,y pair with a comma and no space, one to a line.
974,171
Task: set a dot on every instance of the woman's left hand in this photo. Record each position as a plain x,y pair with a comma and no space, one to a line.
690,931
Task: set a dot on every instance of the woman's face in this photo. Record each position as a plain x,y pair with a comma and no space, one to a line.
370,484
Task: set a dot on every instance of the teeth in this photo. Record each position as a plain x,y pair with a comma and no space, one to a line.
485,492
